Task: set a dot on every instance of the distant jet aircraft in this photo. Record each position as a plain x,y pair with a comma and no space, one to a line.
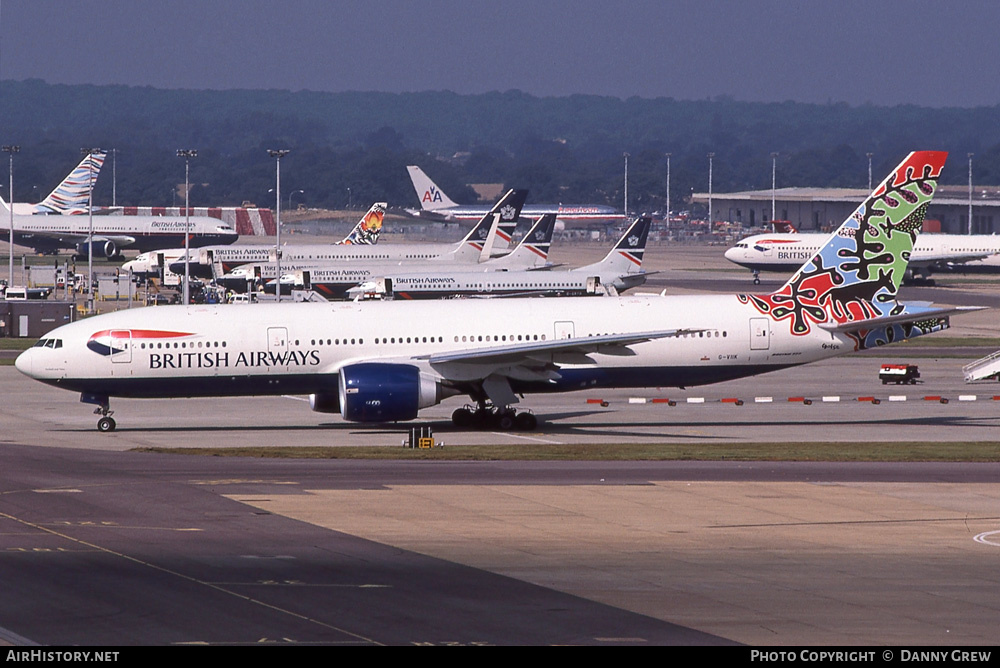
436,205
384,361
49,234
349,279
620,270
220,262
784,251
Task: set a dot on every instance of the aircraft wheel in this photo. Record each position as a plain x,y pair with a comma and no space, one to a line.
505,421
106,424
526,422
756,280
462,417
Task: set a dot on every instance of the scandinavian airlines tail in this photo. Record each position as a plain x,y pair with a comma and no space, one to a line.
431,197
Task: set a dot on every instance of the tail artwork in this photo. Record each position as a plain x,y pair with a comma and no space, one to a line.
368,228
851,284
431,197
71,195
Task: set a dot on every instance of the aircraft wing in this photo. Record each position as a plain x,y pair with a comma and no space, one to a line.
925,259
914,313
531,352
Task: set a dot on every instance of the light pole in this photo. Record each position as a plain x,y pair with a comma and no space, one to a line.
187,154
348,199
290,197
11,150
774,169
668,190
626,185
278,154
90,233
710,157
970,192
869,170
114,180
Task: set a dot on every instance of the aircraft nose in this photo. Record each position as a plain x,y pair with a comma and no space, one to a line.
731,254
23,362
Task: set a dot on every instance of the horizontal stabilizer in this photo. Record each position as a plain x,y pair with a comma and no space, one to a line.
910,315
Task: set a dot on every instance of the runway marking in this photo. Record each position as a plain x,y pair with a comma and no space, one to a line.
288,396
984,538
527,438
177,574
850,522
57,491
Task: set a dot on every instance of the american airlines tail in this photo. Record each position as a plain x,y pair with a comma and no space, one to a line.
71,195
368,228
431,197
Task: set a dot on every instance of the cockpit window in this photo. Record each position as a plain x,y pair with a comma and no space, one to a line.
48,343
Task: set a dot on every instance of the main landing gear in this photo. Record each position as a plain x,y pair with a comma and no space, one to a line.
488,416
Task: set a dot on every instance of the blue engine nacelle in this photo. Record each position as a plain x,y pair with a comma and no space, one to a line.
108,248
376,392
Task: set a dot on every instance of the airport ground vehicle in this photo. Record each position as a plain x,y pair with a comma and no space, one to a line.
900,374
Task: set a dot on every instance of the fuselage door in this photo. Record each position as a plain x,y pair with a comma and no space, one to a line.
565,329
760,334
121,346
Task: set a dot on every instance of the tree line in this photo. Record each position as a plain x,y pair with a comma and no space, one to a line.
354,147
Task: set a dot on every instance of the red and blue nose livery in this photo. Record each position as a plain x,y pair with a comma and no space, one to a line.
109,342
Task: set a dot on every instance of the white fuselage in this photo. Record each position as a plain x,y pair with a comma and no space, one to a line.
143,233
786,252
181,351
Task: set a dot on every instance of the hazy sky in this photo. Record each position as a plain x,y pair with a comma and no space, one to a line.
924,52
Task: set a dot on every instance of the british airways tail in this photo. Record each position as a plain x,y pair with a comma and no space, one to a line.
626,256
851,283
532,252
431,197
368,228
502,217
70,196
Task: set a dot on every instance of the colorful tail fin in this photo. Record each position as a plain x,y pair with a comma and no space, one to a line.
431,197
71,195
855,276
368,228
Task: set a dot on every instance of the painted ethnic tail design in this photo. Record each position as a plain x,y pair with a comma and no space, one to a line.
856,274
368,228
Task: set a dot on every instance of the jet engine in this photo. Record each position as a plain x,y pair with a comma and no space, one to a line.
325,402
378,392
108,247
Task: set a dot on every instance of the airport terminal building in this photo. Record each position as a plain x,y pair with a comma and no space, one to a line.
823,209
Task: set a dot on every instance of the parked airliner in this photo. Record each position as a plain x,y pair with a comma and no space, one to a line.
434,204
343,279
366,232
219,262
383,361
785,251
49,234
619,271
